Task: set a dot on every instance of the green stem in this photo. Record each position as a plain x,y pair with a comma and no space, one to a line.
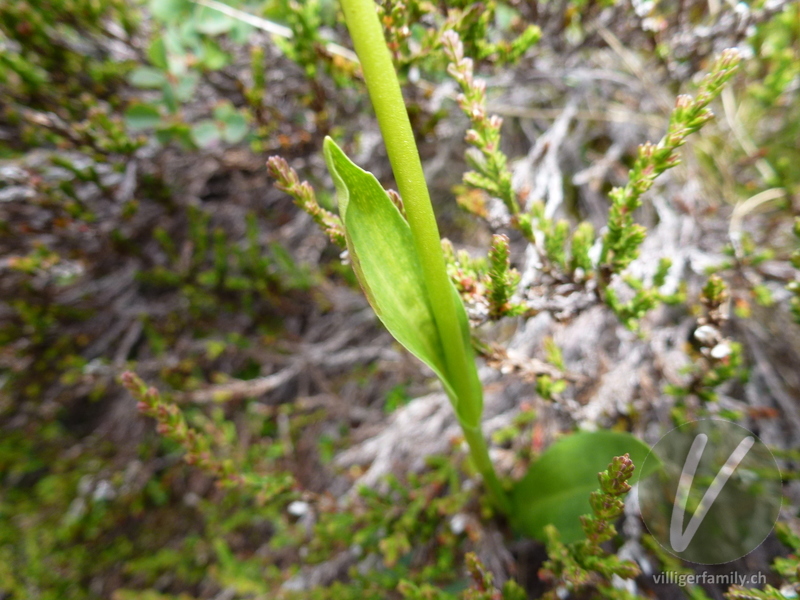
480,458
390,109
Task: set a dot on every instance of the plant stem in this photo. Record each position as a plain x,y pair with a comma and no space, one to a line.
390,109
387,100
480,458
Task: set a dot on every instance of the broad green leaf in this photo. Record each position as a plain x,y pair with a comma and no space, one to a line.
469,416
176,132
241,32
184,90
147,78
385,261
175,51
157,53
235,128
212,56
233,122
169,98
142,116
205,133
187,33
223,110
169,10
212,22
556,487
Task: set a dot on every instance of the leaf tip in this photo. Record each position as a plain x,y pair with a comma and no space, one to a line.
329,147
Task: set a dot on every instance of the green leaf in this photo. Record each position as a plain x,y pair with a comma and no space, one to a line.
169,98
556,487
147,78
142,116
233,122
212,56
385,261
176,132
175,51
241,32
168,10
157,53
205,133
223,110
212,22
235,128
184,90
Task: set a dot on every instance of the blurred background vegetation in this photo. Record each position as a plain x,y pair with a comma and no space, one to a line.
139,229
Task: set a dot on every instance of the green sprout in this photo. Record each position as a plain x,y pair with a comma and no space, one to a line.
445,345
393,243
